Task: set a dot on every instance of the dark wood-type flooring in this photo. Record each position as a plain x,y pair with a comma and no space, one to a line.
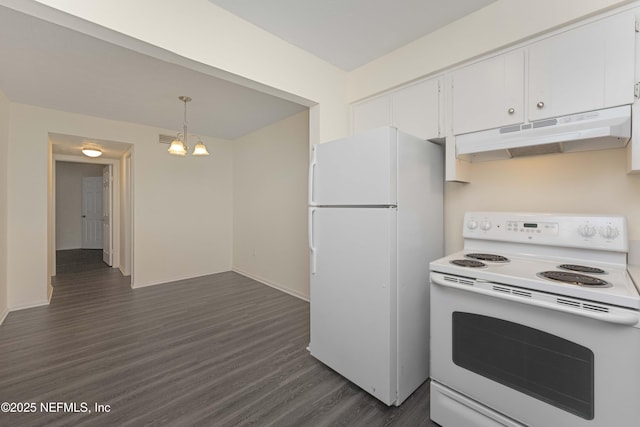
79,260
219,350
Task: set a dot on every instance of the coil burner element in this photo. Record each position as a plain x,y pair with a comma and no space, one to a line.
574,279
582,268
488,257
468,263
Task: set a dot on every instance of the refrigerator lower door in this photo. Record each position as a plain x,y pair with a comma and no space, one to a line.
353,296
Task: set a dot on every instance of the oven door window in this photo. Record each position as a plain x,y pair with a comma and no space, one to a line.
544,366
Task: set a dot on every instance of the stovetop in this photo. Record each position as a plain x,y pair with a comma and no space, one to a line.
524,271
537,251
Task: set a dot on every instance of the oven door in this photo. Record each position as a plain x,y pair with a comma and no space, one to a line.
534,361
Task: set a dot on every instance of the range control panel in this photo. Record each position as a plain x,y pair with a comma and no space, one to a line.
567,230
546,228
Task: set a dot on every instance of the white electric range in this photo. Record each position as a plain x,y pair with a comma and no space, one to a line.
536,322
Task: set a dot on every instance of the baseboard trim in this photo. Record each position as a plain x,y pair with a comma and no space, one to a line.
271,284
173,280
236,270
30,305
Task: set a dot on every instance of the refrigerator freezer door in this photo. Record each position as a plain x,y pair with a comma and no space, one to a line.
358,170
353,296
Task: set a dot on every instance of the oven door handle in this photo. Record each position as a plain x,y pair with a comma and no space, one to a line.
628,319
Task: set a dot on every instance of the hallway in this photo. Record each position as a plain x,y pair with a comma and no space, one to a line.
79,260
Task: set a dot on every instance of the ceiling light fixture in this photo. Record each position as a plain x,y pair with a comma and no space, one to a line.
180,145
92,152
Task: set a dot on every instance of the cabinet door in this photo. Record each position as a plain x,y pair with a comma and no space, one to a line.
584,69
371,114
488,94
415,109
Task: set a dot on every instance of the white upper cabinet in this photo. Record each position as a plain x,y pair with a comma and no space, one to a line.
372,113
582,69
415,109
488,94
587,68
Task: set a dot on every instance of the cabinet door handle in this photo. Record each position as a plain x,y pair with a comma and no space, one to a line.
540,104
511,110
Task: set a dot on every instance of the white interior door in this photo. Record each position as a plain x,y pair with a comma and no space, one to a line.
107,241
353,295
92,212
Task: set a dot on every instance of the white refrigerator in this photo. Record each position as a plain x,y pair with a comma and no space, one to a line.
375,223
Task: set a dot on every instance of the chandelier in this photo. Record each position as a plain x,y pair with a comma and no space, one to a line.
180,145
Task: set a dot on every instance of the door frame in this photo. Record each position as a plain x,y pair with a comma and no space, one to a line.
127,214
115,205
107,200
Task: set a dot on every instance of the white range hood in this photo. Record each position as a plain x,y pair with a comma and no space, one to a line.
593,130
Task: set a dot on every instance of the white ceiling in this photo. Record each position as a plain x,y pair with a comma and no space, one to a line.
350,33
51,66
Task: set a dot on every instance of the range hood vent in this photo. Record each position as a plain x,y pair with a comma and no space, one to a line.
594,130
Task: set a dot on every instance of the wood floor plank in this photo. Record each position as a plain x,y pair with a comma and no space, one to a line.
219,350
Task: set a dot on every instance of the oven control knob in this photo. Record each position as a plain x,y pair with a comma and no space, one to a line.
609,232
587,230
485,225
472,224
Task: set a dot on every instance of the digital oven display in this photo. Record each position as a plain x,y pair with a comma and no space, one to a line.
530,225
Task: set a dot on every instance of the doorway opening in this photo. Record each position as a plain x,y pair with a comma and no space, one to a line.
90,210
83,213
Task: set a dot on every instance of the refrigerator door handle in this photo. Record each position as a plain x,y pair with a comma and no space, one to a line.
311,242
312,169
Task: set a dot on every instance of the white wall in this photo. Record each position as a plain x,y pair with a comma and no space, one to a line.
586,182
4,142
270,205
182,206
69,202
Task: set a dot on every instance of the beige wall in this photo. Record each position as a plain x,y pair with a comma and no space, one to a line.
593,182
238,50
168,192
4,142
498,25
270,200
69,202
182,206
245,51
587,182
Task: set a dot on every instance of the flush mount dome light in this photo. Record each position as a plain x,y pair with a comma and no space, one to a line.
92,152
